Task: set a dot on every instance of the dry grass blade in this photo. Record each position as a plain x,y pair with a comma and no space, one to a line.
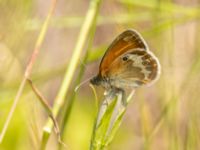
48,109
29,67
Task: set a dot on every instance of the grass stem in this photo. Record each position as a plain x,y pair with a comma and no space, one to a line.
29,67
83,37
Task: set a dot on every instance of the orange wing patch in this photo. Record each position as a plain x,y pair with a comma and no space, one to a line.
126,41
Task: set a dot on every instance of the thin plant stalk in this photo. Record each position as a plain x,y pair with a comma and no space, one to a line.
29,67
48,109
78,80
83,37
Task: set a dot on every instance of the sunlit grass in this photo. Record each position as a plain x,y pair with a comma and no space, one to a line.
165,116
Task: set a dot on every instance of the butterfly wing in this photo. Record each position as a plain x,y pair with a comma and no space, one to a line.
129,39
134,68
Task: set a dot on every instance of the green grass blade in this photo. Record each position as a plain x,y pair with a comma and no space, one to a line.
108,121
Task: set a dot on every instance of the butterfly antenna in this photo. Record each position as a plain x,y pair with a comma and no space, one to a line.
82,83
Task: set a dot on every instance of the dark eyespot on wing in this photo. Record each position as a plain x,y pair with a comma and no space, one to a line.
125,58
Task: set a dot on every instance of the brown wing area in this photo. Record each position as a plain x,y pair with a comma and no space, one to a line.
127,40
140,68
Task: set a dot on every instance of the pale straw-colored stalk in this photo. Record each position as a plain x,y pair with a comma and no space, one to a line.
29,67
82,39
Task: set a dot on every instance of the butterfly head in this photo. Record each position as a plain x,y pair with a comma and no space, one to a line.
96,80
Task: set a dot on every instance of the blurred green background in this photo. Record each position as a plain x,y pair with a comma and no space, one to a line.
167,112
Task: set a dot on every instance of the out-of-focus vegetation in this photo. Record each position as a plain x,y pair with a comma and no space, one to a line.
164,116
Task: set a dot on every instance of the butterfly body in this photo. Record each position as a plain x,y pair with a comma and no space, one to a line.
127,63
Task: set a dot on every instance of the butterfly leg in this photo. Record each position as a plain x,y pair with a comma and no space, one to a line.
111,93
48,109
109,96
123,96
120,93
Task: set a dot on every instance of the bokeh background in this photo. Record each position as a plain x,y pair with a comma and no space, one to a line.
168,111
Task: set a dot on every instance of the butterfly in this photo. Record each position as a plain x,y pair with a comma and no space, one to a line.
127,63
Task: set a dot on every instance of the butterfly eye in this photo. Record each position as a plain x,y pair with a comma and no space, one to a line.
125,58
